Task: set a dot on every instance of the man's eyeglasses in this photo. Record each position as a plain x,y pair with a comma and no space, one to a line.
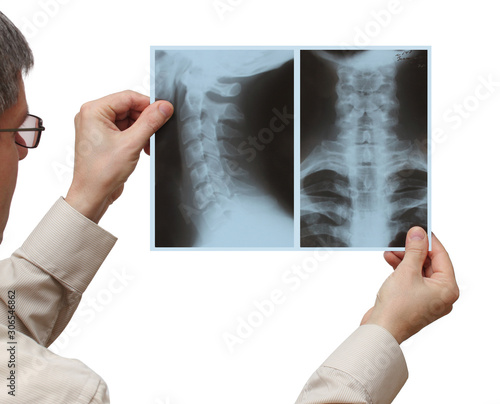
29,133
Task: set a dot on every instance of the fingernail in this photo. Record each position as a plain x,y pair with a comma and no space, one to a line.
166,109
417,234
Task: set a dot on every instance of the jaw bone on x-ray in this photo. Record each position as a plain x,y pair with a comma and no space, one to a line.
363,147
224,162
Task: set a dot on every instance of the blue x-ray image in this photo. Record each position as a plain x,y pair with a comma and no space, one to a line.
364,131
224,169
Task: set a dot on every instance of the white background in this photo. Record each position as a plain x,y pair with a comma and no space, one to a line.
159,339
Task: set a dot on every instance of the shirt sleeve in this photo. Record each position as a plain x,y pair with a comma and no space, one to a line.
101,395
51,270
33,374
368,367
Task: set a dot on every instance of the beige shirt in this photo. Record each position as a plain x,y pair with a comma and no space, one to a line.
49,274
368,367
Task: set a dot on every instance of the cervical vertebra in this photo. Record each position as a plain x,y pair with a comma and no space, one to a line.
201,84
354,190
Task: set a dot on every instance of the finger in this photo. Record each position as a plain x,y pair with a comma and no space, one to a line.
124,124
416,248
427,271
443,270
440,260
131,114
367,316
151,119
399,254
119,105
147,148
392,259
134,115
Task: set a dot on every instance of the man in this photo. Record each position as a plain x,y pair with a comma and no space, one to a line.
42,283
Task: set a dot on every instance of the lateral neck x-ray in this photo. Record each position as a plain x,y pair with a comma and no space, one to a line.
224,164
224,174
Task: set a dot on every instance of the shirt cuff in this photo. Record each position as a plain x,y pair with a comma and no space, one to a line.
373,357
68,246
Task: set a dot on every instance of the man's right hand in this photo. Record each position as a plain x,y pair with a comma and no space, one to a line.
110,134
421,289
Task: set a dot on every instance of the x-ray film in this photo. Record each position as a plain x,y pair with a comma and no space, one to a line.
232,171
224,167
364,158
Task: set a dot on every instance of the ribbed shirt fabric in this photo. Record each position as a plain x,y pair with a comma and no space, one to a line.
49,273
368,367
53,268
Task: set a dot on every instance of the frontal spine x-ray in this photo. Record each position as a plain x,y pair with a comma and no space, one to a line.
363,147
224,163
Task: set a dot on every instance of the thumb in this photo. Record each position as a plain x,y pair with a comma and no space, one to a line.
150,121
416,248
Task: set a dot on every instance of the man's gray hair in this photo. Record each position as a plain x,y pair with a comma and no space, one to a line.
15,57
